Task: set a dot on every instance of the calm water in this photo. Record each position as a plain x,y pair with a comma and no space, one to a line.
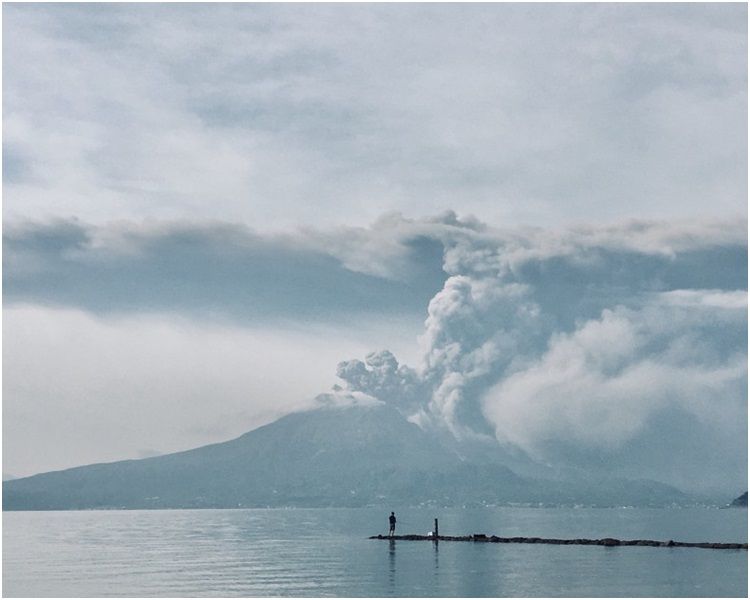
324,552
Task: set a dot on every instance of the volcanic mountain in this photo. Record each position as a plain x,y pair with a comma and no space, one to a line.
329,456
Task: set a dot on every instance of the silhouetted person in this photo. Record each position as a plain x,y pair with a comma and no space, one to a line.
392,521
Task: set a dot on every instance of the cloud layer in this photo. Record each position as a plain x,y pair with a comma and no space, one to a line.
219,270
288,115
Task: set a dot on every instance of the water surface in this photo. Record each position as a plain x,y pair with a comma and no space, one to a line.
325,552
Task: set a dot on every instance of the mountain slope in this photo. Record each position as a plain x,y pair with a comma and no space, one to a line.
311,457
326,457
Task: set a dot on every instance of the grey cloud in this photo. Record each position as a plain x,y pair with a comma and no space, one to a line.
222,270
380,376
599,384
394,266
635,389
572,344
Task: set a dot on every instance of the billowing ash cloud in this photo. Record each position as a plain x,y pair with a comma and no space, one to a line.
599,385
380,376
577,344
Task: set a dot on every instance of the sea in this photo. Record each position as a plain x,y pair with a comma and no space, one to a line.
326,552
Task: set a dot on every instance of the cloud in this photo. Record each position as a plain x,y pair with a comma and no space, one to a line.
570,344
576,345
323,115
599,385
118,195
658,392
338,398
380,376
394,266
215,269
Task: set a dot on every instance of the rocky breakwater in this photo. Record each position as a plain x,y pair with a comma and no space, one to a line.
483,538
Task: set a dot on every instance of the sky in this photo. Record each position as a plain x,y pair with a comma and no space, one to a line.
518,222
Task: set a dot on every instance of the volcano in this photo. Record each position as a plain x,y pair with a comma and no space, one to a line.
329,456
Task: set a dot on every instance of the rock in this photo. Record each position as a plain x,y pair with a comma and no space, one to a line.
609,542
481,537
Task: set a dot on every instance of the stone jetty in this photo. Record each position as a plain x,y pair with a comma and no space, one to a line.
483,538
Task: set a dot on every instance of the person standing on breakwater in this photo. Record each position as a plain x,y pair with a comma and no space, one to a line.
392,522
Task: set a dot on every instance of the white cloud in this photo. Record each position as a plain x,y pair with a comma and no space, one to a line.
600,385
322,115
712,298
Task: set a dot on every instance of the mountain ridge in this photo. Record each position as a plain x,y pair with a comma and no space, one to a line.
328,456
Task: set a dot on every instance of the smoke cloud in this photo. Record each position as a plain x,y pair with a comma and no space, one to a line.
578,343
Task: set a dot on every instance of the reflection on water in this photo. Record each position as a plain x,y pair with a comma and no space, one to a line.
436,546
325,552
392,566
